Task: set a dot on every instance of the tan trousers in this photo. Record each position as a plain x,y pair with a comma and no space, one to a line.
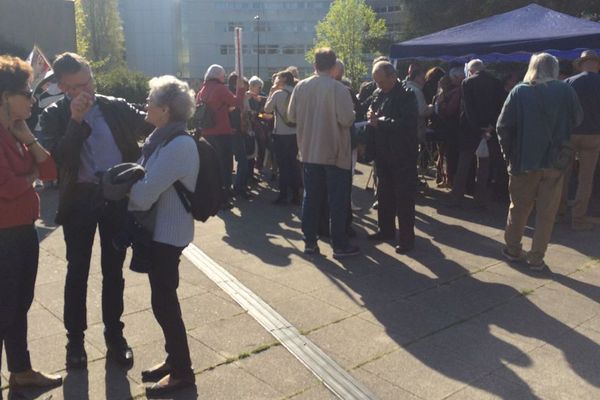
587,148
541,189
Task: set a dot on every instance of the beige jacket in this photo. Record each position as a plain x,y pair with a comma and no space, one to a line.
323,111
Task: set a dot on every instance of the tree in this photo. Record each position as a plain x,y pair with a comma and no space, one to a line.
348,28
100,33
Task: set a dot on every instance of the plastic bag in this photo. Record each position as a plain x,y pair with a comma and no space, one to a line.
482,150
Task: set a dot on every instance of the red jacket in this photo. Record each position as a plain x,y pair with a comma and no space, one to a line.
219,99
19,202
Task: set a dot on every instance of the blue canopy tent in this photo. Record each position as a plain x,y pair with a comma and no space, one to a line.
512,36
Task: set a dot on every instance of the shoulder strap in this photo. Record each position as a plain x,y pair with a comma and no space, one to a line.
182,191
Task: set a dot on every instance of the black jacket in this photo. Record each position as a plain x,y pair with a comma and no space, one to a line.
66,138
482,99
396,143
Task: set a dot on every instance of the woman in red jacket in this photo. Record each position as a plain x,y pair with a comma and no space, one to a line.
22,161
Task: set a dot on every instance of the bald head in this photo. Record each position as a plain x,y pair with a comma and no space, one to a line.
385,75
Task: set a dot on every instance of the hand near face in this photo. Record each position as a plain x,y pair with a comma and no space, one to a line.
21,132
80,105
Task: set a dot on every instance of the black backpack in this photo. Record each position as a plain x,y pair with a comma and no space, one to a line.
203,117
207,198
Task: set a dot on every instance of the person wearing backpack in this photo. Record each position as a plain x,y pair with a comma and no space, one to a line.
284,139
169,156
219,99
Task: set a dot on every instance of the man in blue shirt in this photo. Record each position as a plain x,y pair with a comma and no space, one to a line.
585,138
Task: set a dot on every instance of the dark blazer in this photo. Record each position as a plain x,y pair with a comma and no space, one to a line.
66,138
482,99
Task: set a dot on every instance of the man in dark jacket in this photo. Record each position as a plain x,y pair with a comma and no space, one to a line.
482,99
89,134
393,121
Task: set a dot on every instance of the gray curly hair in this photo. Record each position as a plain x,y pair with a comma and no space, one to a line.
168,91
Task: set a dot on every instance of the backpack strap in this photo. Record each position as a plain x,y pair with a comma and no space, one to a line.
182,191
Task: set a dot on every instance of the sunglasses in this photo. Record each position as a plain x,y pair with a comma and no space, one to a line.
25,92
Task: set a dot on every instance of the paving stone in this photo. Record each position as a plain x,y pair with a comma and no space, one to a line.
42,324
494,387
202,309
232,382
279,369
315,393
353,341
383,389
306,312
48,353
265,288
425,371
232,336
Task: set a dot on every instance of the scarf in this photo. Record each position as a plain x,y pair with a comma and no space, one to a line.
159,136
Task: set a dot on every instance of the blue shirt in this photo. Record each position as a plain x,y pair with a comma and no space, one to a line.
99,151
587,87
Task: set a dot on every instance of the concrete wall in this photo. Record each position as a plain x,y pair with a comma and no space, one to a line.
48,23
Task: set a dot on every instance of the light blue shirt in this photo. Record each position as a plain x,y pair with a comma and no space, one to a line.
99,151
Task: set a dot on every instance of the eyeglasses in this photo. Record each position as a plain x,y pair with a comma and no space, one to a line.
82,85
25,92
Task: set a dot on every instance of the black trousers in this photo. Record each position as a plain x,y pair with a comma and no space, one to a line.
19,252
286,153
396,194
87,213
164,280
223,145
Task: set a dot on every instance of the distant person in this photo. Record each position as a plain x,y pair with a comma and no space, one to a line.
23,160
219,99
90,133
430,87
482,97
169,155
323,111
585,138
415,82
393,119
536,120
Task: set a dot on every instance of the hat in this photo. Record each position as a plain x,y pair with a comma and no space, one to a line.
117,180
587,55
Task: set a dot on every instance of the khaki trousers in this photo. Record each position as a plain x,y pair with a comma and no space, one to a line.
587,148
541,189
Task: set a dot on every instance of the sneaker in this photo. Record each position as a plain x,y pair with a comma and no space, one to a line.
312,249
375,205
513,257
349,251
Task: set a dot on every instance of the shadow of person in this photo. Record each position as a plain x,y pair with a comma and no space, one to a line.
76,385
115,381
451,325
48,206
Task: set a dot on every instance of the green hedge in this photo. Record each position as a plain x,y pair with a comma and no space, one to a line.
121,82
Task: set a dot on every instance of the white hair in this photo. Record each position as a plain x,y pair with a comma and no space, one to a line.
215,71
543,67
255,81
475,65
168,91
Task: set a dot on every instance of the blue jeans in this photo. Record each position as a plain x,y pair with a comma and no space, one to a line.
336,181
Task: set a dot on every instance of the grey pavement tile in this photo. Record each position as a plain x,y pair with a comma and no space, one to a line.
565,262
306,312
232,336
51,267
424,370
564,304
353,341
315,393
280,370
48,353
202,309
383,389
265,288
341,296
519,276
306,280
232,382
42,323
493,387
407,320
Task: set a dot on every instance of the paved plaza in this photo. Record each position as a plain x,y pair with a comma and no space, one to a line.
451,320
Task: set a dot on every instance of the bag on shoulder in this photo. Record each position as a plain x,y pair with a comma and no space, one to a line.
203,117
284,116
207,197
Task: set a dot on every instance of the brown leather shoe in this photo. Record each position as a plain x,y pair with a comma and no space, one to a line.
33,378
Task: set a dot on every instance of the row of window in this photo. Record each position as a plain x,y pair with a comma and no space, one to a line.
386,9
229,49
276,5
270,26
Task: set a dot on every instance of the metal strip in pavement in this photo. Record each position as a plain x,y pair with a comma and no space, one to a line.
340,382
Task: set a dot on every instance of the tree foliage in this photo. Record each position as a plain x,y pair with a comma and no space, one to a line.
121,82
100,33
427,16
348,28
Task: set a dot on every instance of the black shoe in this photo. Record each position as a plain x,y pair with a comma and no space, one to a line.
380,236
346,252
167,385
118,350
311,249
404,249
156,373
76,355
243,195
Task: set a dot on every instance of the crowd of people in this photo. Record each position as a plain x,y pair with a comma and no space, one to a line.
518,140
